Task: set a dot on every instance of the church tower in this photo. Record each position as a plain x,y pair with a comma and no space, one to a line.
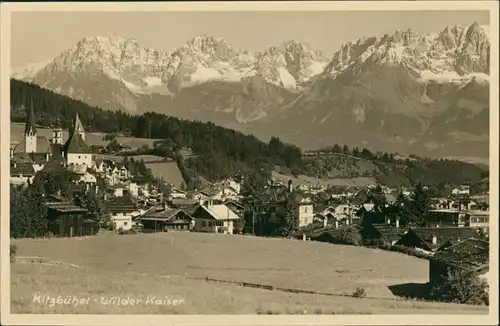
30,133
57,133
78,127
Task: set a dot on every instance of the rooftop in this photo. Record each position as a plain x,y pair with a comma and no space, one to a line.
120,205
444,234
76,144
64,207
469,254
162,214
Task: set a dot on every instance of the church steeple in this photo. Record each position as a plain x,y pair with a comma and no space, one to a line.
78,127
30,136
30,129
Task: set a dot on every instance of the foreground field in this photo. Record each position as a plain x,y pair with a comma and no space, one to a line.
176,265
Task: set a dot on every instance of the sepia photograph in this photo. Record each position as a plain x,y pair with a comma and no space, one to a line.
293,163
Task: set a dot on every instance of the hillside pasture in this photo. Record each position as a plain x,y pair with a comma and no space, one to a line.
167,170
176,264
305,180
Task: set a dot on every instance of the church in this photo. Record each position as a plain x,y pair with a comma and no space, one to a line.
37,150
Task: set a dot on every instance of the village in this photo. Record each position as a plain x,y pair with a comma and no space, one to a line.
452,233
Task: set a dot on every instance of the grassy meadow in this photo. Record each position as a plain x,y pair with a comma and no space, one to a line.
176,265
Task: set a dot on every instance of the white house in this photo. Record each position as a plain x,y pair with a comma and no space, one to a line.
118,192
305,213
214,218
176,193
21,174
462,190
121,210
133,188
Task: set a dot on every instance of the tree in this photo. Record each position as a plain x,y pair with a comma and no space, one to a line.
462,286
95,206
239,225
290,223
377,197
349,235
28,215
401,209
420,204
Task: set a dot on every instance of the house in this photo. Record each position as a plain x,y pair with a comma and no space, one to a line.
214,218
187,205
268,211
177,193
330,235
462,190
477,219
336,215
133,189
99,166
68,220
389,198
304,209
433,239
235,206
166,218
81,174
22,173
469,255
453,217
383,232
121,210
220,193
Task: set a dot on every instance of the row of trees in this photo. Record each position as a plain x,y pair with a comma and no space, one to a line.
409,211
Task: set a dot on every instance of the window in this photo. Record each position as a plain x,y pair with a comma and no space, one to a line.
203,223
305,209
125,223
79,156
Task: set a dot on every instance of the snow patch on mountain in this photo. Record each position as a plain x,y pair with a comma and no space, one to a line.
29,70
286,78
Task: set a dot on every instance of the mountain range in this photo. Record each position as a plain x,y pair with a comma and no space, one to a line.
404,92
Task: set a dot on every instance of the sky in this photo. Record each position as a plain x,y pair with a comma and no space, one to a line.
40,36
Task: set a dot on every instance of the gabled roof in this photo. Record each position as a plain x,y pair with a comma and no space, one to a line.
443,235
166,215
233,202
76,144
42,146
120,205
389,232
220,212
390,198
64,207
211,191
33,158
24,169
470,253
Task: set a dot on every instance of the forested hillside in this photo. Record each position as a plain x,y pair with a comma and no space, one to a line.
222,152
